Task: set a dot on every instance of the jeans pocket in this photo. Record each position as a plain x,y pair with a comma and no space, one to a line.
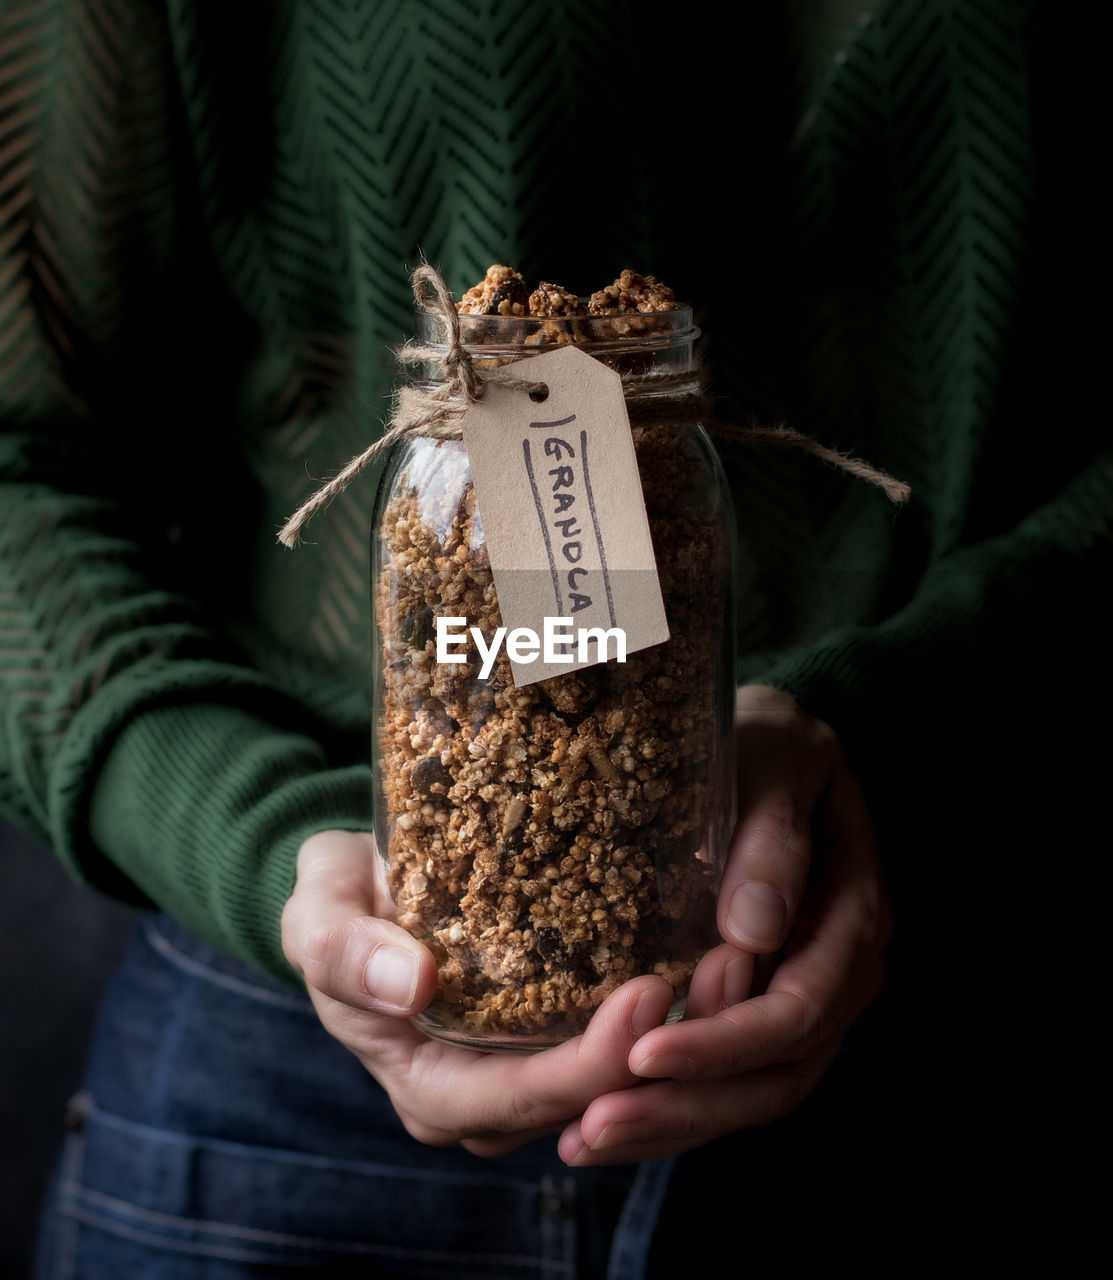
131,1200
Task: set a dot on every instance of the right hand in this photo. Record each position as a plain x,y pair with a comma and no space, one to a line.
367,977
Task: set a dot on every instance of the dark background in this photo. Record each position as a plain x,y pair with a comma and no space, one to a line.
58,946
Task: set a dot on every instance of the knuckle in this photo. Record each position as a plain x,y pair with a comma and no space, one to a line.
684,1126
485,1148
873,924
490,1148
323,951
827,741
801,726
808,1028
428,1135
290,931
740,1038
797,1086
777,826
350,881
528,1111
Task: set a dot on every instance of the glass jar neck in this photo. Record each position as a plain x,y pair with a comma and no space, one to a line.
643,346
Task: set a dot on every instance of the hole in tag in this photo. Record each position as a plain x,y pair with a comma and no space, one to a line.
540,393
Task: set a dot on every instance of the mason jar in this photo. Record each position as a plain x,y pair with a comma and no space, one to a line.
549,842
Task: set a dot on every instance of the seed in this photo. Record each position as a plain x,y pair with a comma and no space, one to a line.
601,761
515,812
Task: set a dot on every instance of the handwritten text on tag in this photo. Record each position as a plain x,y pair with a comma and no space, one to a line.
561,504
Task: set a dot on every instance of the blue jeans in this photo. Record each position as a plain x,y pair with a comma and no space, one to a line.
222,1133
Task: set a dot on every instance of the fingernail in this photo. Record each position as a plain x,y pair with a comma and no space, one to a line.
664,1066
736,981
391,976
620,1134
646,1014
757,915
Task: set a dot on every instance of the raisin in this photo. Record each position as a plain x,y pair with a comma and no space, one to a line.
548,943
417,627
428,773
511,298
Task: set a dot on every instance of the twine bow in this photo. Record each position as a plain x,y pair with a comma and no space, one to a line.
426,414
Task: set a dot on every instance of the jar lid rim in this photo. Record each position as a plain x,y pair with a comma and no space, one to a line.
643,329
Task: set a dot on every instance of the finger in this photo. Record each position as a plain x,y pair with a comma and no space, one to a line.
345,867
832,970
333,936
722,978
851,853
665,1119
768,1030
501,1144
496,1095
547,1088
785,760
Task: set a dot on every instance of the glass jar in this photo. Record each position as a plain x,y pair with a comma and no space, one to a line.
547,843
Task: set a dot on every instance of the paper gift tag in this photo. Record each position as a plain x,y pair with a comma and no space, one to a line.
561,504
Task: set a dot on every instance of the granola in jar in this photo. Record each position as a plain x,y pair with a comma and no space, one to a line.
549,842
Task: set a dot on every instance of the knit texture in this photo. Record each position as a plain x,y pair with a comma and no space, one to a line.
208,216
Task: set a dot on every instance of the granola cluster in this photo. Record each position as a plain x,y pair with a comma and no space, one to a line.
632,292
549,842
503,292
554,300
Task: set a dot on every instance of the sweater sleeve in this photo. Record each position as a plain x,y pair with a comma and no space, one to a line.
986,625
136,738
930,286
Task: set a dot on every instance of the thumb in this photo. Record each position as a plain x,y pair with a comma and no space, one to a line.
335,934
785,764
766,873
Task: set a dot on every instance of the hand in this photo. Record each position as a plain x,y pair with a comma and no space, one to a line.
366,977
803,875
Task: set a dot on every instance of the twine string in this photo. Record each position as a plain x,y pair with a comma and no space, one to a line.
431,411
458,367
895,490
436,411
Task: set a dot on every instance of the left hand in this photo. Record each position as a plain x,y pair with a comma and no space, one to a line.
366,977
803,874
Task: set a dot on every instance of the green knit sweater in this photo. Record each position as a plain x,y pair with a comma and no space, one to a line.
208,216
